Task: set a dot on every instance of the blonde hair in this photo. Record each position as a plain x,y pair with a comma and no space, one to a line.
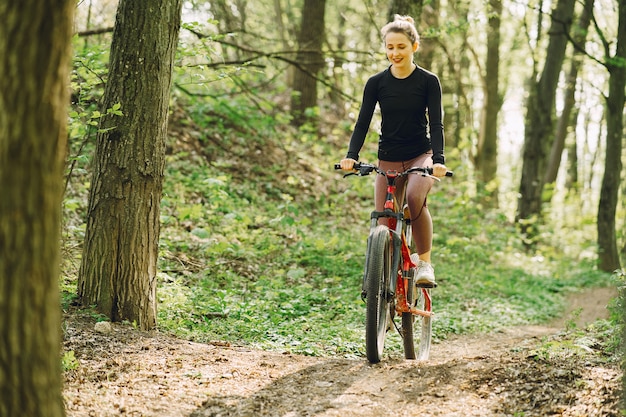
402,24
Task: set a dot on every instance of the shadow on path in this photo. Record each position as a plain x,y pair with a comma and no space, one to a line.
342,387
498,374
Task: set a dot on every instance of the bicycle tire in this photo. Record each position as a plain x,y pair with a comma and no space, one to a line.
378,315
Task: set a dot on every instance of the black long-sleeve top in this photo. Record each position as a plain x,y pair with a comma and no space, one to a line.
412,116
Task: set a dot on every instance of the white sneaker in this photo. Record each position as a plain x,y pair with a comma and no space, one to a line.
425,274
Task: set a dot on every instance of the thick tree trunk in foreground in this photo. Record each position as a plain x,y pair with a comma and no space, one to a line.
35,38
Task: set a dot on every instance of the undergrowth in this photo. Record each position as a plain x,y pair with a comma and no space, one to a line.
262,243
273,259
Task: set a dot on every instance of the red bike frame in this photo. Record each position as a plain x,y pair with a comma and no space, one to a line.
402,306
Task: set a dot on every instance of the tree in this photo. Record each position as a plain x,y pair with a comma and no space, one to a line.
609,191
35,39
309,59
487,153
412,8
565,120
538,132
118,269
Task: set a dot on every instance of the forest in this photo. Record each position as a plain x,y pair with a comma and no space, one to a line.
175,240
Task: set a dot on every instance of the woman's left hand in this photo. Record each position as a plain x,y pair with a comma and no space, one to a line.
439,170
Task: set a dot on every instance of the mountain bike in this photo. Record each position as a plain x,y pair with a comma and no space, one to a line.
389,286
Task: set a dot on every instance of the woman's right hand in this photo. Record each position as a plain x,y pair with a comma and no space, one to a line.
347,164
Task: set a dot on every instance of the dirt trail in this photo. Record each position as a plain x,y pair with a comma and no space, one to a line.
129,373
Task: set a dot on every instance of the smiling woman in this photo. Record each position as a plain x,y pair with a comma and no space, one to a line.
411,132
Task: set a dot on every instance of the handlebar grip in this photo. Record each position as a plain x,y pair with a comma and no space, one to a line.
357,165
429,170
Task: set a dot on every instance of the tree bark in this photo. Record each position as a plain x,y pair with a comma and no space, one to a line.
539,123
118,269
429,18
35,39
411,8
309,58
487,154
609,192
571,178
565,119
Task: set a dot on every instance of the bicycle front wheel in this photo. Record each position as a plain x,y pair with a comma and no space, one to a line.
378,276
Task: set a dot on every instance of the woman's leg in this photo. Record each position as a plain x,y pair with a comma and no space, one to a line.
417,190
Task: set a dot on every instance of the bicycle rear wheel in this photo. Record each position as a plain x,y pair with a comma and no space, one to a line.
415,322
423,301
378,275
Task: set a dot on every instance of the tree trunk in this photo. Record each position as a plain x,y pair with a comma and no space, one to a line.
571,178
118,270
565,120
35,39
338,57
487,155
229,20
310,59
411,8
429,18
609,192
280,24
539,123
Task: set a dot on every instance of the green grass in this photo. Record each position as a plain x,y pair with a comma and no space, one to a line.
282,270
277,264
264,246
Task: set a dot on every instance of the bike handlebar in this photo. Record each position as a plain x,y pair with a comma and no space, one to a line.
363,168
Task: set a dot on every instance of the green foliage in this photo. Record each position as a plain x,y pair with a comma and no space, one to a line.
262,243
69,361
281,269
273,259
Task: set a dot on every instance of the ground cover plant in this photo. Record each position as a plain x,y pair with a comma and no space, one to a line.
262,242
261,257
275,273
267,255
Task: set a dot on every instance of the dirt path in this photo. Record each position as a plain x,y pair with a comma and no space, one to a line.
129,373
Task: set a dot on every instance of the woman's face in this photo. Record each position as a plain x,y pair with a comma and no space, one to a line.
399,50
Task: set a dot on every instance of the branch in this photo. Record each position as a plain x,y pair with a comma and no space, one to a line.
91,32
277,55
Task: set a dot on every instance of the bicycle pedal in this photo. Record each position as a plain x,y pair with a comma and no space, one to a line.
426,285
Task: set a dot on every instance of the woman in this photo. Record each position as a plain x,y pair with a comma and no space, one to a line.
411,133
